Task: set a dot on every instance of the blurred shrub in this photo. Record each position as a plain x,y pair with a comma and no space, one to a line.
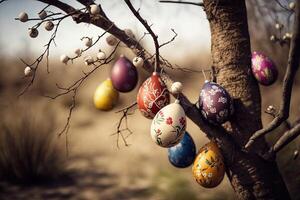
170,186
28,152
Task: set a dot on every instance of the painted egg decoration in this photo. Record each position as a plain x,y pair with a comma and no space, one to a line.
215,103
105,96
208,168
124,75
153,95
263,69
183,154
168,125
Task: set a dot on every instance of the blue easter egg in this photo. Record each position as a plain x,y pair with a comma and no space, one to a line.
183,154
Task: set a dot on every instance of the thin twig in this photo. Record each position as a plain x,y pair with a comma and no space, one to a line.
35,65
183,2
286,138
127,107
171,40
120,131
73,88
148,28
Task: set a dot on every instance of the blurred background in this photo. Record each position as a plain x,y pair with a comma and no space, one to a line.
34,161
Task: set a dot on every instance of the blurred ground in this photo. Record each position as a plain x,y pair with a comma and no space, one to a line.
97,169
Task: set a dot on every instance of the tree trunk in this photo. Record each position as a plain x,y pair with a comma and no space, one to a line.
251,176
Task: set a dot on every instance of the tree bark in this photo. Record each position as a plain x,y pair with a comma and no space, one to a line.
251,176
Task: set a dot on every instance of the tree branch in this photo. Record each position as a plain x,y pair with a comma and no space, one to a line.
119,132
86,2
148,28
35,65
61,5
76,85
293,65
286,138
2,1
183,2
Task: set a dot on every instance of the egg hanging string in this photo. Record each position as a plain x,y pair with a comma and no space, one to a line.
155,65
177,96
204,75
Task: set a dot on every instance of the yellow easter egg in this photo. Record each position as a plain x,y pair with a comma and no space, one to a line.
105,96
208,168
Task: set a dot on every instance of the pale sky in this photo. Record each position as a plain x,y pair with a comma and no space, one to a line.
188,21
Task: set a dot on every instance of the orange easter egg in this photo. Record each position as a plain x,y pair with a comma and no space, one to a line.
208,168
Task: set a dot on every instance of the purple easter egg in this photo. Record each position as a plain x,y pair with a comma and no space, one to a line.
263,68
215,103
124,75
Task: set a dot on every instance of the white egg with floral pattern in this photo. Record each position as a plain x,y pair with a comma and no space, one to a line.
169,125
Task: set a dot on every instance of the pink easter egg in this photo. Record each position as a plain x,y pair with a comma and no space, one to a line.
263,68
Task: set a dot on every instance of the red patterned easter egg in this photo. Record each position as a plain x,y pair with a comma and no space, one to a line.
153,95
124,75
263,68
215,103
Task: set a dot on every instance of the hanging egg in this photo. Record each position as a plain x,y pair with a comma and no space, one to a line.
208,168
215,103
183,154
105,96
263,68
124,75
153,95
168,125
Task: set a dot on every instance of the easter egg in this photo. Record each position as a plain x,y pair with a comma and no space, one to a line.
168,125
208,168
183,154
105,96
263,69
153,95
215,103
124,75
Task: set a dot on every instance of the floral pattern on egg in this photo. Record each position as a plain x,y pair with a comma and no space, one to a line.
168,125
153,95
215,103
208,168
263,69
